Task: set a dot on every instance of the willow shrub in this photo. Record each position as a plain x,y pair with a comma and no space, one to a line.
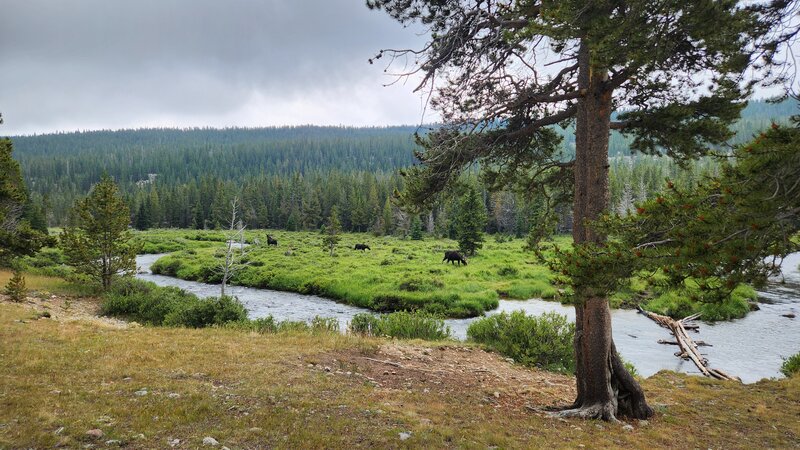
400,325
791,366
544,341
149,304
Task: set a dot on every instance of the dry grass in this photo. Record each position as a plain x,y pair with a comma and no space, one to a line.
255,391
44,285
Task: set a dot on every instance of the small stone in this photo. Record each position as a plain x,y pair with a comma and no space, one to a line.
58,431
643,423
208,440
115,442
173,442
510,360
174,395
224,448
627,427
127,379
394,373
496,394
140,393
139,436
386,372
255,429
327,369
426,352
404,435
95,433
55,392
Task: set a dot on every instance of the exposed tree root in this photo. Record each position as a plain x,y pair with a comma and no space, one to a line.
602,411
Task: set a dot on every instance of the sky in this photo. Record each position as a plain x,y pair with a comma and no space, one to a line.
101,64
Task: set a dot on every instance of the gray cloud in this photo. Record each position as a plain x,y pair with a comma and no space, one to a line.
87,64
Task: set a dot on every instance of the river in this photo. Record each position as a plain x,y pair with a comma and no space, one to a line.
751,348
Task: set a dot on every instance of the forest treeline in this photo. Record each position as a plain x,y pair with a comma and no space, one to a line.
290,177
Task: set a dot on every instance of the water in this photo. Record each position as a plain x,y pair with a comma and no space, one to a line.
751,348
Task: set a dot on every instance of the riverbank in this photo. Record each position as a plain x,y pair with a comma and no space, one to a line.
400,274
155,387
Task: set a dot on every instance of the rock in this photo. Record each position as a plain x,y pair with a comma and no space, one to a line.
627,427
173,442
127,379
95,433
55,392
208,440
510,360
327,369
139,436
114,442
173,395
58,431
404,435
255,429
643,423
496,394
789,316
140,393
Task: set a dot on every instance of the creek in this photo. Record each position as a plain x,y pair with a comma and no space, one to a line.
751,348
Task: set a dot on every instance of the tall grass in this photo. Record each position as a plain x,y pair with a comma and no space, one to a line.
544,341
400,325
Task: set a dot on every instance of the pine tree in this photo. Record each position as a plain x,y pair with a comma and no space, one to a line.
332,231
97,242
17,237
15,288
416,228
470,222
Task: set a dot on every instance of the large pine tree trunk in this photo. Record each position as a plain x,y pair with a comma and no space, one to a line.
605,389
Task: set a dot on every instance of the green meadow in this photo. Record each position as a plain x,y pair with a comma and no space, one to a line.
401,274
396,274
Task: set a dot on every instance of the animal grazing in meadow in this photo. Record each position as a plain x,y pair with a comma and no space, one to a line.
362,247
453,256
272,241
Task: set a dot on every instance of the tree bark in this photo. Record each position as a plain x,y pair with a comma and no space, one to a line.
605,389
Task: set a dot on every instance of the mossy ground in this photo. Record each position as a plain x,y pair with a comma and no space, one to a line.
61,378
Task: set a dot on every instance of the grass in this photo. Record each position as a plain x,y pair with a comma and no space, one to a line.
395,275
250,390
44,285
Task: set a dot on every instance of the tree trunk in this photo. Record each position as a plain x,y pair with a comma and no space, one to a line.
605,389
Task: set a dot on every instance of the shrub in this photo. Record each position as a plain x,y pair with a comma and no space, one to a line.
544,341
401,325
153,305
324,325
365,324
791,366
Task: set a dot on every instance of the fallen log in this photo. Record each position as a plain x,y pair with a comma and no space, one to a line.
687,346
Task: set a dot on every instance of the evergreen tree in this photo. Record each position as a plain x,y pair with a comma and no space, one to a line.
416,228
332,231
470,222
97,242
388,218
15,288
17,236
681,69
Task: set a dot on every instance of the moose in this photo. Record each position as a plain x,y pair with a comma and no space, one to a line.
272,241
453,256
362,247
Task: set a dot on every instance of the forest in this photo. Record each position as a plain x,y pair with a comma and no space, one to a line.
290,177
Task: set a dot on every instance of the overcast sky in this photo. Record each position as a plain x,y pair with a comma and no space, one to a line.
100,64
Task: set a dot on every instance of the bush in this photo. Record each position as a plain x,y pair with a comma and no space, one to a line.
324,325
545,341
400,325
365,324
147,303
207,312
508,271
791,366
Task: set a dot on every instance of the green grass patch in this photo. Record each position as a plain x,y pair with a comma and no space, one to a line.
544,341
400,325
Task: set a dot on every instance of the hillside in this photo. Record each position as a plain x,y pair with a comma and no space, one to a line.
73,380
